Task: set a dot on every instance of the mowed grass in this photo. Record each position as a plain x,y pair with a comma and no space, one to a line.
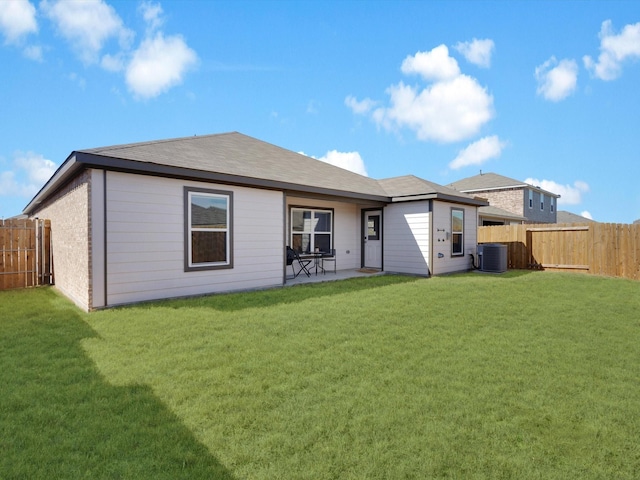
523,375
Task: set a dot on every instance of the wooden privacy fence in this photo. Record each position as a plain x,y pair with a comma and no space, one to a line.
596,248
25,253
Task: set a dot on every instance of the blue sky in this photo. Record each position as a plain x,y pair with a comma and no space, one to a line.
541,91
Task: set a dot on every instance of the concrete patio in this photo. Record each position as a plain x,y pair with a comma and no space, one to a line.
328,276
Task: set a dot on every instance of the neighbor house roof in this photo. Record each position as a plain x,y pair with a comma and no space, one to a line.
493,181
495,212
568,217
233,158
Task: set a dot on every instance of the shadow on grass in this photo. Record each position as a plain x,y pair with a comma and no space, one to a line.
60,419
293,294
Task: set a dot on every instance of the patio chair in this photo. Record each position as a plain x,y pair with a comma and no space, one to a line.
293,258
329,257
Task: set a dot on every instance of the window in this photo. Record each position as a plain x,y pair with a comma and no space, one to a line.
541,201
551,204
208,229
530,198
373,227
311,229
457,232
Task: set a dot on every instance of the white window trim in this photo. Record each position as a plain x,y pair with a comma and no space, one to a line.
541,201
311,232
530,198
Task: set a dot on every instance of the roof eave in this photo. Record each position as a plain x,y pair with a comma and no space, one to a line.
507,187
60,176
443,197
79,160
497,215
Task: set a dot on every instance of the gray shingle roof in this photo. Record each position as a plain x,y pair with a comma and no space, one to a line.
238,159
410,186
485,181
239,155
491,211
492,181
568,217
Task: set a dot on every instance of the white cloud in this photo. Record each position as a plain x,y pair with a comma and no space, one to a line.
10,187
92,27
33,52
451,108
159,64
586,214
433,65
152,15
351,161
17,19
87,25
614,50
569,194
479,152
313,107
359,107
78,80
557,80
446,111
30,171
477,51
113,63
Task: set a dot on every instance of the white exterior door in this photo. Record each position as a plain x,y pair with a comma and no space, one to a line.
373,239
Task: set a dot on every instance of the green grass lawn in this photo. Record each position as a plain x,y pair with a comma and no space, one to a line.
528,375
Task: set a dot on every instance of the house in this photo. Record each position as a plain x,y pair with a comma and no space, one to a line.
511,201
210,214
491,215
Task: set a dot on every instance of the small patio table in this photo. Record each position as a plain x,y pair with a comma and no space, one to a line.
316,256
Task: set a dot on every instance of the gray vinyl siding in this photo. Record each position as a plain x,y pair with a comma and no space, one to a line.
145,252
97,238
442,242
537,215
407,229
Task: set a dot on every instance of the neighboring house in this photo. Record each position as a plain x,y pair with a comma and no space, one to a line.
491,215
527,203
568,217
209,214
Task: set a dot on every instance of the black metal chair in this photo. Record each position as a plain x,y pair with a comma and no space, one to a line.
329,257
292,258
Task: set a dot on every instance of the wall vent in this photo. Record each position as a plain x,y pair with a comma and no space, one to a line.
492,257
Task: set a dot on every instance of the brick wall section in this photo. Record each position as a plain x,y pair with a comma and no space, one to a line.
69,212
516,200
511,200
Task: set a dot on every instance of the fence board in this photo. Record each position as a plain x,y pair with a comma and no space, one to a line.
595,248
25,252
